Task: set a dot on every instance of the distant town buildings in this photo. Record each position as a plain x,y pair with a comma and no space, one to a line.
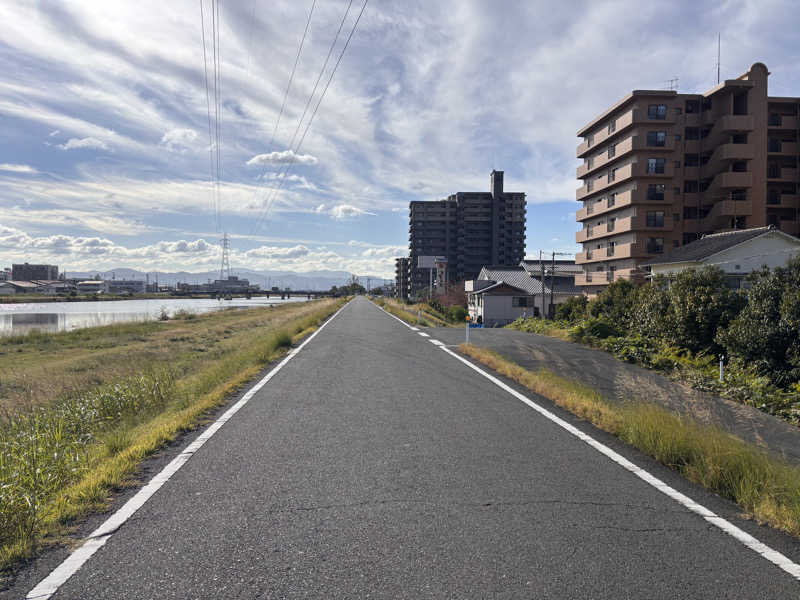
28,272
469,230
661,169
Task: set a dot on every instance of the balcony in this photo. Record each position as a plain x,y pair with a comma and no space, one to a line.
787,148
622,200
782,200
594,278
626,172
783,122
731,180
782,174
726,153
720,214
631,250
622,123
733,123
622,149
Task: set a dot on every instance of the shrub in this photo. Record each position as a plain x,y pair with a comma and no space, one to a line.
457,314
592,330
573,310
615,303
766,333
700,304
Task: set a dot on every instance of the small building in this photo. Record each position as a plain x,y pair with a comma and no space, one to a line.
91,286
503,294
10,287
53,287
5,274
125,286
738,253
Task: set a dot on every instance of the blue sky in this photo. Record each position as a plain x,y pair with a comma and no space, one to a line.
104,153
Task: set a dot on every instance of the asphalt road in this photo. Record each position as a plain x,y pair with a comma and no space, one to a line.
375,465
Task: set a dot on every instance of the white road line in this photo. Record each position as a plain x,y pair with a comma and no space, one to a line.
436,342
423,334
745,538
97,539
411,328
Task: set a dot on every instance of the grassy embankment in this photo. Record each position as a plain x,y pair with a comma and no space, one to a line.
37,298
419,314
765,487
80,410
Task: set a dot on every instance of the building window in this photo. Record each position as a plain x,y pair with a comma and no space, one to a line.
612,175
677,164
690,186
689,212
612,127
657,111
692,106
676,190
656,138
740,195
775,120
519,301
773,145
612,150
675,243
589,140
678,110
691,160
655,218
677,137
676,217
589,185
655,165
612,199
655,191
655,245
706,104
692,133
589,162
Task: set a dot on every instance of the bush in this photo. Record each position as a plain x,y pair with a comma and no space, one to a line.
592,330
573,310
766,333
614,304
457,314
700,304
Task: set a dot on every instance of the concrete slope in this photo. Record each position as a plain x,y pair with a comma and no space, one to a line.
376,465
620,380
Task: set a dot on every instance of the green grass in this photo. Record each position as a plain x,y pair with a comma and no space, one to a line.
62,459
764,486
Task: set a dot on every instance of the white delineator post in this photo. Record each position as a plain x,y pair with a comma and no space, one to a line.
721,369
467,342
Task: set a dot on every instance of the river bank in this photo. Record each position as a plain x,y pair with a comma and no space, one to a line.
80,410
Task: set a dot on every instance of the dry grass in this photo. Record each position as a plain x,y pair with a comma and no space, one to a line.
765,487
105,453
403,311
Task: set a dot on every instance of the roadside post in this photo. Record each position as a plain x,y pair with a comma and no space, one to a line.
467,342
721,368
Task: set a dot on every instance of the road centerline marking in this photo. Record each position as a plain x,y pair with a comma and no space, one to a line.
97,539
773,556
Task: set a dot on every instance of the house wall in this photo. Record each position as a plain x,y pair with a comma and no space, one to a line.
771,249
498,309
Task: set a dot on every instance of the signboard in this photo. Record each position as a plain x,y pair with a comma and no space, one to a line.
427,262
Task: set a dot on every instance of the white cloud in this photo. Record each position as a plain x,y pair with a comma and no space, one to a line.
179,140
17,168
347,211
88,142
282,158
54,133
320,208
275,252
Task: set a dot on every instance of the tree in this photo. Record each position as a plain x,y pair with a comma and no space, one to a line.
573,309
766,333
615,303
700,305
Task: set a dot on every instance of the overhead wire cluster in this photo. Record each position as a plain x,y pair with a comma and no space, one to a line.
214,123
294,149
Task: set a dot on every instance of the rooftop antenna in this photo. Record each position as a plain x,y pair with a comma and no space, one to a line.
673,84
719,39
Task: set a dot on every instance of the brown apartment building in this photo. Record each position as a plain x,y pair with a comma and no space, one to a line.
660,169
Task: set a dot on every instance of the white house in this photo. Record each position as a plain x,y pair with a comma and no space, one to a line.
502,294
738,253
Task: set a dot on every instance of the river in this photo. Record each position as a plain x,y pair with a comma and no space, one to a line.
18,319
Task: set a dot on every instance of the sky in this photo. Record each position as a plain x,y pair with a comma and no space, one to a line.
106,158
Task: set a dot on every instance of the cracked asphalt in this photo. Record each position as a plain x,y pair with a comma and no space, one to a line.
374,465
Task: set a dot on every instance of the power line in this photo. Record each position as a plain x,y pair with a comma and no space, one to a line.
319,102
268,203
212,202
291,78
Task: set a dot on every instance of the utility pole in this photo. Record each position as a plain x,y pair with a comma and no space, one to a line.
541,280
719,40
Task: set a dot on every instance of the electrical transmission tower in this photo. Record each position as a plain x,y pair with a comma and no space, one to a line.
225,269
